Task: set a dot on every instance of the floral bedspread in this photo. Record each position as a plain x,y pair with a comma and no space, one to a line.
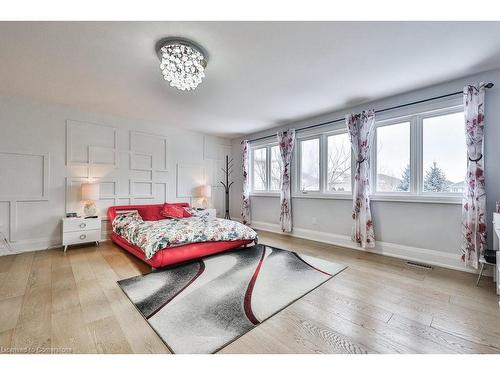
152,236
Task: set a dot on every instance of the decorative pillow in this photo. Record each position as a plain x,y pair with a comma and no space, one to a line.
197,212
152,213
128,216
174,211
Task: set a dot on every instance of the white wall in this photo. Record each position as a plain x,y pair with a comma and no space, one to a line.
47,150
427,232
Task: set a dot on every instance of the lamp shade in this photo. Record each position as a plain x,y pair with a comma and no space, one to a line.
90,191
206,191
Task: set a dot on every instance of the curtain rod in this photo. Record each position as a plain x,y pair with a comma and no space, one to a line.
488,86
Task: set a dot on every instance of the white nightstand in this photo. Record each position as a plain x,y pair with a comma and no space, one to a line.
78,230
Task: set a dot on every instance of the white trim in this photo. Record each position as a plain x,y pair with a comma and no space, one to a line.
298,163
164,139
444,199
39,244
265,194
373,197
416,254
14,199
268,147
69,161
316,195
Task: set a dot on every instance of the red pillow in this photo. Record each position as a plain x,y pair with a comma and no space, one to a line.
174,211
151,213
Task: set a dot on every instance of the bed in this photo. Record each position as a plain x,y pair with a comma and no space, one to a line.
160,242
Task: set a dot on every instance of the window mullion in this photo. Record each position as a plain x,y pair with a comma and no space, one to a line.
373,163
268,168
416,146
322,163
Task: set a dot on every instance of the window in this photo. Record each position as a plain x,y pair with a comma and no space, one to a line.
309,165
444,153
276,168
393,158
415,156
325,163
265,169
422,156
338,177
259,169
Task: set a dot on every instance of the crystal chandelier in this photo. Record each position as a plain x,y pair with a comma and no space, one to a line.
182,63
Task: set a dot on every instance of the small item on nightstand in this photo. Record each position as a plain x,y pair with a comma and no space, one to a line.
91,217
71,214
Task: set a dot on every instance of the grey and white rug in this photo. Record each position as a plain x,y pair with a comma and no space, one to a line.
202,306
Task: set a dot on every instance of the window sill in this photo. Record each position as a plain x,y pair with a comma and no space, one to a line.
445,199
265,194
312,195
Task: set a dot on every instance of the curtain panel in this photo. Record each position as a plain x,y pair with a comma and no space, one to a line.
245,198
474,199
361,128
286,142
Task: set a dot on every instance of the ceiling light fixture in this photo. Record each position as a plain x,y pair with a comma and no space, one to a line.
182,62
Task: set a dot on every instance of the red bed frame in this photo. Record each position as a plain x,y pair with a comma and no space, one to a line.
172,255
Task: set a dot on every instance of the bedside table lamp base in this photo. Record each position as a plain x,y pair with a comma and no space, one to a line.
90,209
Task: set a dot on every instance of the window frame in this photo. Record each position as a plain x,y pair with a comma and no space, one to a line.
267,191
444,112
299,163
252,169
416,117
373,158
323,192
414,114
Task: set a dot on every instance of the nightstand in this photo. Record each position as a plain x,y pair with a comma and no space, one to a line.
77,230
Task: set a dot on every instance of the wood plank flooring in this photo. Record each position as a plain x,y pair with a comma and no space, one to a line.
56,302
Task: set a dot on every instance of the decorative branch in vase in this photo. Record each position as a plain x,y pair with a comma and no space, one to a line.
227,185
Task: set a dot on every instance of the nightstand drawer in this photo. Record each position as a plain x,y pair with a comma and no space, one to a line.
71,238
75,225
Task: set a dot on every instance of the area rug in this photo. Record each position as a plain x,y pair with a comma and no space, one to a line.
202,306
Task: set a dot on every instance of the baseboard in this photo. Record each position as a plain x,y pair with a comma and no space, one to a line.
35,244
38,244
415,254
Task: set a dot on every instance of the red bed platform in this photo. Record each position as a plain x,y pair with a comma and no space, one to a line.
172,255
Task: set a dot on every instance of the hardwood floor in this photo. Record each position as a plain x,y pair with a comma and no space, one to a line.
51,301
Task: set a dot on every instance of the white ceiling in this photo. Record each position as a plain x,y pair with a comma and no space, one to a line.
259,74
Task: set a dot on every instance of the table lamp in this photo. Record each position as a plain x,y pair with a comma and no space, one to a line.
206,193
90,193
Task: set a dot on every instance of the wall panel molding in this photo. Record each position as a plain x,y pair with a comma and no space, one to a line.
160,155
71,125
140,177
23,179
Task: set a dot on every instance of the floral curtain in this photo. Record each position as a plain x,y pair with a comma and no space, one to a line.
361,128
245,199
474,199
286,141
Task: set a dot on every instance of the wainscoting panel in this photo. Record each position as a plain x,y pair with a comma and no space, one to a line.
137,174
48,150
155,146
88,143
30,171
